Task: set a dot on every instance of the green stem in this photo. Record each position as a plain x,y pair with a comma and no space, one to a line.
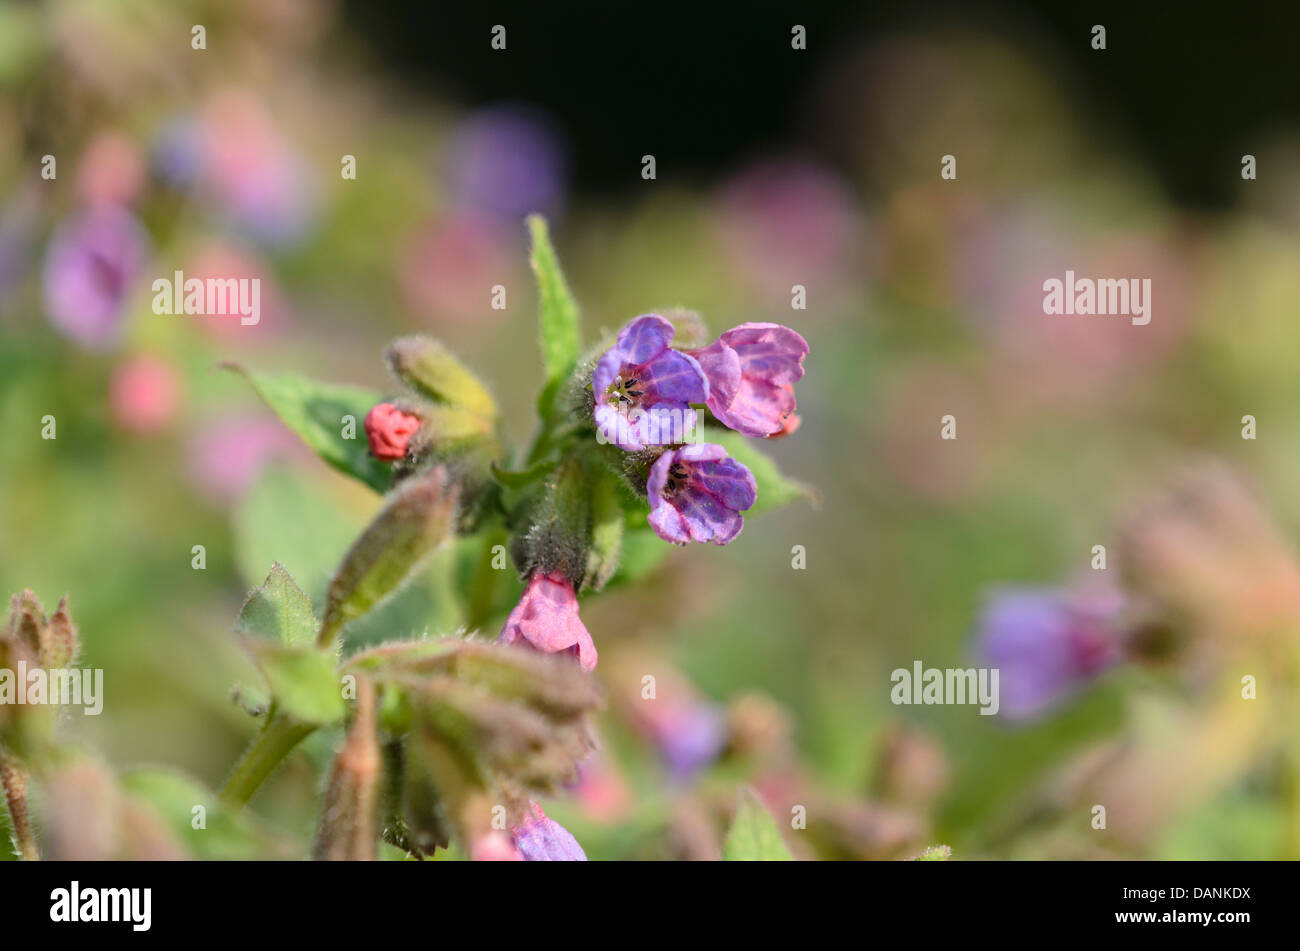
15,787
276,741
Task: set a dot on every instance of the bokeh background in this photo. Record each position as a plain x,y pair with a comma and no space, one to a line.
775,167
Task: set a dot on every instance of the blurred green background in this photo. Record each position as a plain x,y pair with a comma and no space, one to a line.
775,167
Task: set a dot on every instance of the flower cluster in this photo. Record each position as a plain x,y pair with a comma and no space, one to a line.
644,397
643,391
617,454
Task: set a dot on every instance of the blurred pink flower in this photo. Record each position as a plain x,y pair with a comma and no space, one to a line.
601,791
233,155
111,170
494,847
257,176
227,454
222,261
450,268
1004,256
788,221
144,394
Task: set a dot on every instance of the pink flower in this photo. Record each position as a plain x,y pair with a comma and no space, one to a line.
751,369
494,847
143,394
111,171
389,430
226,455
546,619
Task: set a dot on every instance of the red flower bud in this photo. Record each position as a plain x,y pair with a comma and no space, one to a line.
388,430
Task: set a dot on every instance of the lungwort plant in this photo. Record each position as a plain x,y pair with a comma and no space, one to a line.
640,446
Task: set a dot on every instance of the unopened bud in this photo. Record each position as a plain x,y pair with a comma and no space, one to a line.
348,829
911,768
59,643
82,809
426,366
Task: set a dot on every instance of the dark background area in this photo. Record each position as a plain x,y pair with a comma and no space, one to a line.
1188,85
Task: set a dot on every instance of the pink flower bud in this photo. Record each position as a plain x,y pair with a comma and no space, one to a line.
389,430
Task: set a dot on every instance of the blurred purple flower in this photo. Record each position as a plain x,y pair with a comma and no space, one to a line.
233,155
92,262
688,736
546,619
697,494
1047,643
643,389
177,151
540,838
507,161
15,239
226,455
751,369
600,789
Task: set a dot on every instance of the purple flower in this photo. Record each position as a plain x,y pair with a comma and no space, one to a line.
688,736
90,267
177,151
15,239
644,389
1046,644
697,494
507,161
546,619
540,838
751,369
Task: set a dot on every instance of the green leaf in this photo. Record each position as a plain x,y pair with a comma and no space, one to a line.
221,835
642,550
774,488
558,317
278,611
291,517
315,412
417,519
753,836
524,478
303,680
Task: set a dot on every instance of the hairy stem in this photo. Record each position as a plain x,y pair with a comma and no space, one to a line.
276,741
15,785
